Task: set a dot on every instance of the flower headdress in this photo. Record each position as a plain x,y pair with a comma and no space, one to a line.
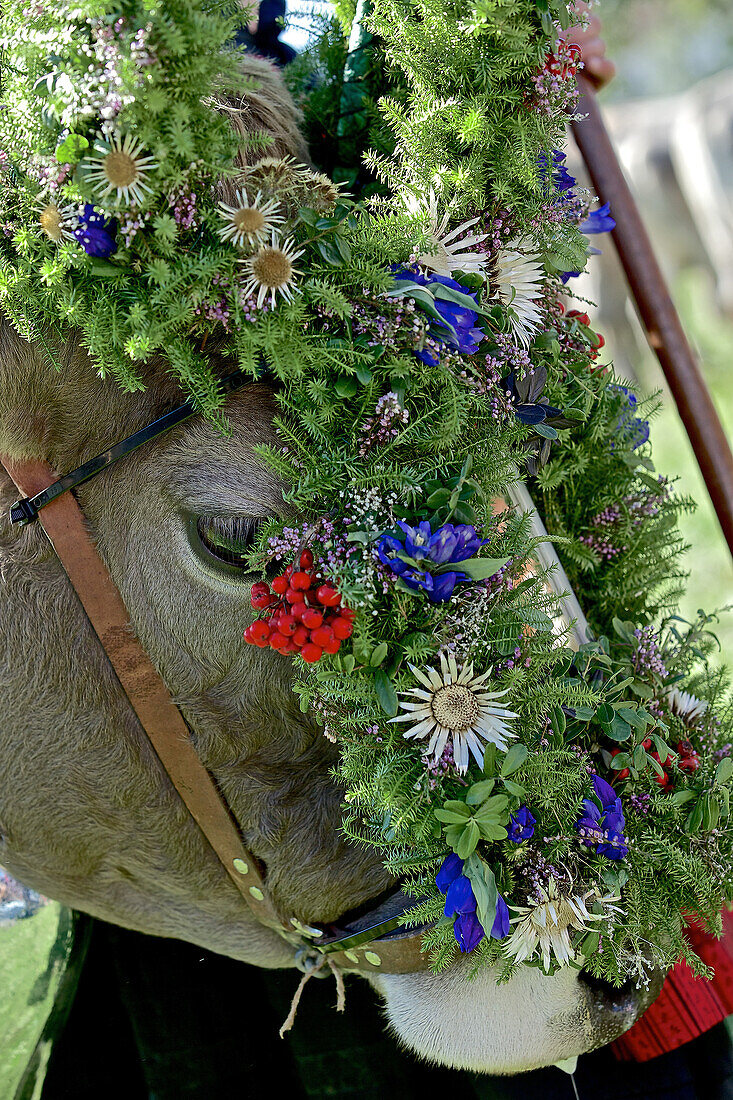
558,792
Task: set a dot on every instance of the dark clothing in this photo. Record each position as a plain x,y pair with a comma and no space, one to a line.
266,40
158,1019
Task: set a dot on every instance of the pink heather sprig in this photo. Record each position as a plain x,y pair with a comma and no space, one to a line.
54,176
183,202
384,425
131,222
555,88
485,380
647,656
500,228
439,769
393,323
333,549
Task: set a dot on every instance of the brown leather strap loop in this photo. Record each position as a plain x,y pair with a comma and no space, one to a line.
160,718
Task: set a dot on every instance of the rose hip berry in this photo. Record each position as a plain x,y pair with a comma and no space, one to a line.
303,613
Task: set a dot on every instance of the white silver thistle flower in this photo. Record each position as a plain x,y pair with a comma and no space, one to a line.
453,704
519,276
448,255
121,167
248,221
688,708
271,271
544,927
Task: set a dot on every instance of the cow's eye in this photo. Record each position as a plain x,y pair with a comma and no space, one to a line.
228,539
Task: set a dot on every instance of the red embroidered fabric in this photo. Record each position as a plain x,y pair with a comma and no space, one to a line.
687,1006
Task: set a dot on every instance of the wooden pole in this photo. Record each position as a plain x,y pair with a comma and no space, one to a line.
658,314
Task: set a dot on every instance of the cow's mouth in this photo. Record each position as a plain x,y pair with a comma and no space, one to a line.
613,1009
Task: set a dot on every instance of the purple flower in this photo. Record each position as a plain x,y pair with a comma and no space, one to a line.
451,866
529,406
521,825
461,903
468,931
561,178
95,233
466,334
433,550
598,221
501,927
606,795
603,829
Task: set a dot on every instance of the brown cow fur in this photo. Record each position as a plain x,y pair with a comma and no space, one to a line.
86,814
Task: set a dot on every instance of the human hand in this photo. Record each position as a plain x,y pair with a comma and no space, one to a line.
596,66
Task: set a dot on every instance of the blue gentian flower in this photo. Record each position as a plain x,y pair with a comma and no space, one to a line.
95,233
634,430
461,903
598,221
561,178
521,825
467,334
603,829
451,866
606,795
450,543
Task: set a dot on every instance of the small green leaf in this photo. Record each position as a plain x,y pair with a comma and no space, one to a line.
364,375
514,759
349,663
694,820
618,730
479,792
456,806
621,760
346,386
469,839
490,760
378,654
679,798
724,771
478,569
514,788
491,831
71,149
386,693
449,817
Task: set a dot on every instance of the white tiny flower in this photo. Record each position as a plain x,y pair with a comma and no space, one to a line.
519,277
452,704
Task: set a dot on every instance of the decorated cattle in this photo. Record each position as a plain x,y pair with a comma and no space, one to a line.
336,566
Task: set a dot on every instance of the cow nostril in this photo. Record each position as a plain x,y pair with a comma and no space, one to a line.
598,985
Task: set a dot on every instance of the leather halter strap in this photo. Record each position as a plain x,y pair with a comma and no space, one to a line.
166,729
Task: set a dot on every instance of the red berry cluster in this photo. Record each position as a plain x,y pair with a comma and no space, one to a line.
304,614
688,761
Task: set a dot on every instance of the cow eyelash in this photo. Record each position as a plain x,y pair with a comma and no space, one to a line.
229,539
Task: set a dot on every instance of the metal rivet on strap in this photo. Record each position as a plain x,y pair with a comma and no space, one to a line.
372,958
256,893
241,866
